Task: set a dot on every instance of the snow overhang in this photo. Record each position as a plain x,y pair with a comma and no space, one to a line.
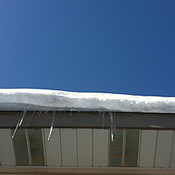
35,108
54,100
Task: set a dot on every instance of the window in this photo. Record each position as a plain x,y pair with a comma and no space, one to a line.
28,146
124,148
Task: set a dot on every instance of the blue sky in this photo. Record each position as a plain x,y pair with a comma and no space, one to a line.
119,46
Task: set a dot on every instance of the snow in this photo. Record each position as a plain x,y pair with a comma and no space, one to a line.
53,100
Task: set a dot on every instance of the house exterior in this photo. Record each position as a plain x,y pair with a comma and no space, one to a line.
67,141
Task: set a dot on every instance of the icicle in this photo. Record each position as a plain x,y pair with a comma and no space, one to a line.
15,130
19,122
71,112
23,115
115,128
64,114
112,126
46,114
51,128
40,113
100,114
112,137
103,119
33,114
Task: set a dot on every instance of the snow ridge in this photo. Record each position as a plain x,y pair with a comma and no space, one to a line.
39,99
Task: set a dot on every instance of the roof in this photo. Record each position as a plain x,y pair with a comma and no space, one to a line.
54,100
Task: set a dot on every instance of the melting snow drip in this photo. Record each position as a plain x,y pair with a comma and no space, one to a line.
112,125
52,124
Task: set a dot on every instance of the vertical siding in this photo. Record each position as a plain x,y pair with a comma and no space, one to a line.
100,147
89,147
7,155
163,150
172,161
147,148
69,147
84,145
53,147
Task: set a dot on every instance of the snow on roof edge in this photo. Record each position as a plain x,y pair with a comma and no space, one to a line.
41,99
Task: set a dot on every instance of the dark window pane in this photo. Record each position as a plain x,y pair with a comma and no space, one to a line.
36,146
132,144
20,146
116,149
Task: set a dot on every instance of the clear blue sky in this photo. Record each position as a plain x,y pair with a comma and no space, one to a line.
120,46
